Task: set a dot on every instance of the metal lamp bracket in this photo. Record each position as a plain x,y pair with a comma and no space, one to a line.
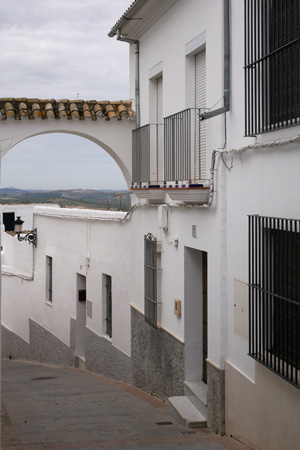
31,237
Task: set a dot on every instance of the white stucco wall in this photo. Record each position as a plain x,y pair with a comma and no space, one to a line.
262,181
24,211
165,43
83,242
16,257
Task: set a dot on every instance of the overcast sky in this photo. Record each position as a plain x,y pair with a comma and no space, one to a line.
58,49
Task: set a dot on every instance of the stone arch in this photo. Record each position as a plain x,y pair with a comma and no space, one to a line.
113,136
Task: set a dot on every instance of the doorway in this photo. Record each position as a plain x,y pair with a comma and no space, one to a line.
80,317
195,314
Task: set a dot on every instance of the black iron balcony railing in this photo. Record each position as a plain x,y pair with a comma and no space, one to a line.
141,154
177,148
172,151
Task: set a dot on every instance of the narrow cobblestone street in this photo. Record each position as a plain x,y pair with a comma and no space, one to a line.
55,408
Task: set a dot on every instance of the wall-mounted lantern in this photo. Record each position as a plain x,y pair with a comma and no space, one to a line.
31,237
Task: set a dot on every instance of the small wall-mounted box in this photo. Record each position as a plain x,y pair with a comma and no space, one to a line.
158,246
177,307
194,231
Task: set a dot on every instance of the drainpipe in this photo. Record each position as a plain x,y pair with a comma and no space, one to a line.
212,178
137,73
226,107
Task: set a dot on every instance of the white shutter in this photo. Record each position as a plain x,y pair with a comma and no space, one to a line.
160,129
200,102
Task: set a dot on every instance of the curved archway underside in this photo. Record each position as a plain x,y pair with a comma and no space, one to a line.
108,124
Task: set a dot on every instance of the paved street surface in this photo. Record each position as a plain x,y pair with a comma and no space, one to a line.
54,408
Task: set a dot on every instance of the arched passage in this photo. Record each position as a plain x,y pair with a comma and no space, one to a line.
59,161
113,135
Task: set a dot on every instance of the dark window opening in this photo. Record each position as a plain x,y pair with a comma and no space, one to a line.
272,58
82,295
274,293
150,269
9,221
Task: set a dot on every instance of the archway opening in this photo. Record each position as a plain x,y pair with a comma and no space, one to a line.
63,162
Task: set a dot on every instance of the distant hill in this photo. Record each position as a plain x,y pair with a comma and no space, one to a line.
11,190
83,198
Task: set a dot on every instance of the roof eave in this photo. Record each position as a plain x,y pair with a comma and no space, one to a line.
129,13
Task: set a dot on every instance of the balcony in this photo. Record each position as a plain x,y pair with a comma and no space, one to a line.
170,158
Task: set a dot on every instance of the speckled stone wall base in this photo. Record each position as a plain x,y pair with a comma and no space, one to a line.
103,358
157,359
215,399
43,346
13,346
47,348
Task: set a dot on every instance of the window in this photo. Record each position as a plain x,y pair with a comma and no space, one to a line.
274,292
108,306
150,268
9,221
272,56
49,279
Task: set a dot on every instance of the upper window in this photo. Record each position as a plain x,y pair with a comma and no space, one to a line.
274,283
272,58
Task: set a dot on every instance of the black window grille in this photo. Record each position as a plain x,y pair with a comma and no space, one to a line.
274,295
108,315
150,265
272,57
49,278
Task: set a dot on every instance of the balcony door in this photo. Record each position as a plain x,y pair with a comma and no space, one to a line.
200,127
160,129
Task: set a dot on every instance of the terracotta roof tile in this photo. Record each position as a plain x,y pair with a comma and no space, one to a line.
86,111
35,109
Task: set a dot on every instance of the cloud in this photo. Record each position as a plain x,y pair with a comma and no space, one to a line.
58,49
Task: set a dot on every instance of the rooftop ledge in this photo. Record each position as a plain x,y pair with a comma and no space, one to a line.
75,213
